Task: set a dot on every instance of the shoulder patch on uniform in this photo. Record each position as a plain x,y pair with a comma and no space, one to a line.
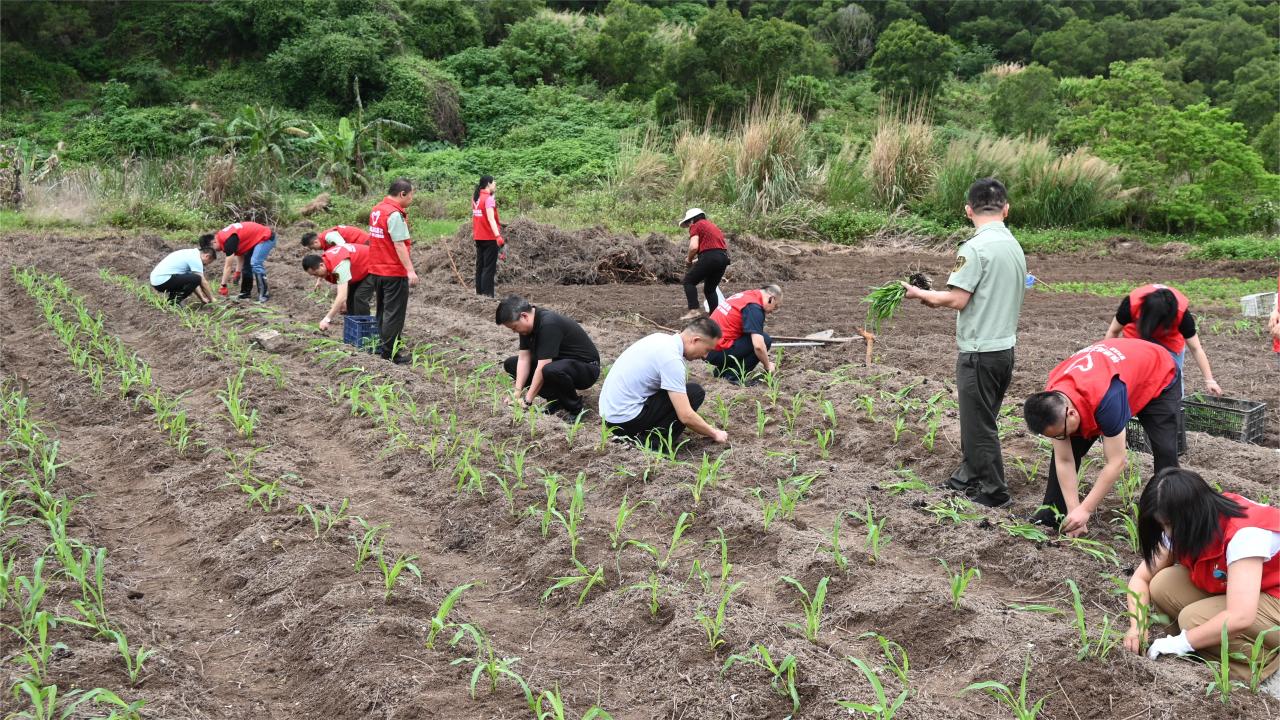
960,261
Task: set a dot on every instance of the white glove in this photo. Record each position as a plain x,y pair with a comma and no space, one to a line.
1170,645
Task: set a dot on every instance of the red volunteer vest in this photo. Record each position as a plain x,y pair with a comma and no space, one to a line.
729,315
382,252
1169,337
480,229
1275,343
250,234
350,235
357,254
1209,571
1146,369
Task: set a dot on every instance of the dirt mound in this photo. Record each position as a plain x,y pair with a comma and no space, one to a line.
538,253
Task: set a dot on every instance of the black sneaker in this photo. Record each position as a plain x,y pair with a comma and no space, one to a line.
1044,517
996,500
401,359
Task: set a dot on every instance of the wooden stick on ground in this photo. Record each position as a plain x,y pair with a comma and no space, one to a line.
454,265
655,323
871,341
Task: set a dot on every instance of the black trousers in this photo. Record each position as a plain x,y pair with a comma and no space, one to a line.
708,270
738,359
179,287
392,295
658,418
562,378
1160,422
981,381
486,266
359,296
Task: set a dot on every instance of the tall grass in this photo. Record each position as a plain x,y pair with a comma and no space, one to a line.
768,152
901,163
703,158
642,170
1045,189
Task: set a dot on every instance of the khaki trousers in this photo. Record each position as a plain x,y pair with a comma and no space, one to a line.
1174,594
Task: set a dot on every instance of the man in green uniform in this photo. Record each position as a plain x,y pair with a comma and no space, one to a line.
986,287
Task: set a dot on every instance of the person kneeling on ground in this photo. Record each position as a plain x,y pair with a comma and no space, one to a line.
345,266
1209,559
556,357
744,343
181,272
645,396
1093,394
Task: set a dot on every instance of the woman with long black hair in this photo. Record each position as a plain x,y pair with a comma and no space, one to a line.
1159,314
1209,559
487,232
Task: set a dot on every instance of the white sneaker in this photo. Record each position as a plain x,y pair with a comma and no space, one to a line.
1271,686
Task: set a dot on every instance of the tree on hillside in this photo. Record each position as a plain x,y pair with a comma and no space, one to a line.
1026,102
851,33
1086,48
909,58
627,52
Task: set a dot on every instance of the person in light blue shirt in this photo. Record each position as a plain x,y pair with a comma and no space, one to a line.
181,273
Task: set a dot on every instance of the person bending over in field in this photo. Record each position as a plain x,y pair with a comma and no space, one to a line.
645,396
334,237
244,241
346,266
181,273
708,257
556,358
1209,559
743,342
986,287
1158,314
1093,394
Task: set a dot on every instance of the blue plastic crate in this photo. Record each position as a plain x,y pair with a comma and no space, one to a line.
361,331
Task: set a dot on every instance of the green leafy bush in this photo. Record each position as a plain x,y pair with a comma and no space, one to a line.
1026,102
478,67
422,97
31,80
151,213
848,226
154,132
439,28
326,60
542,50
1243,247
911,59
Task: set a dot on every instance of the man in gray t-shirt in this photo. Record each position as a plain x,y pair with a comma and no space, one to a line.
645,395
986,286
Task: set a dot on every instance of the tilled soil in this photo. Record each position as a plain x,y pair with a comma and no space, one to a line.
255,619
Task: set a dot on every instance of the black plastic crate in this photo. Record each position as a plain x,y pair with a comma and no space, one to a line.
361,331
1235,418
1136,437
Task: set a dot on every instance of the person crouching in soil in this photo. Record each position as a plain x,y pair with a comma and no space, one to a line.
346,266
248,243
181,273
487,233
646,396
743,342
708,258
334,237
1209,559
1159,314
556,358
1093,394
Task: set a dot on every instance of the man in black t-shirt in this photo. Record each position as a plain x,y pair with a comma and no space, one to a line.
556,358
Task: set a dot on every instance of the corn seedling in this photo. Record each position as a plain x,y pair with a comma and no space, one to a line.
572,517
682,524
1099,551
367,541
487,663
243,419
772,383
823,440
440,621
133,662
323,520
625,509
654,590
812,606
829,412
782,675
708,474
1029,471
391,571
606,434
713,624
895,656
909,481
726,567
722,409
876,539
868,404
1026,531
880,707
956,509
1221,669
549,705
959,581
1259,657
833,548
1017,705
551,483
899,425
508,492
585,577
1107,636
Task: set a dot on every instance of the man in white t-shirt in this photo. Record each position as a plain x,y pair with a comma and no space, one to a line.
181,273
646,397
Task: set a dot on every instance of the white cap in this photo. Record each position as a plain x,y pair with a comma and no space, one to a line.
690,214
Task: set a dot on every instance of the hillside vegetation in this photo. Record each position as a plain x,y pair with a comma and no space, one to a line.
823,120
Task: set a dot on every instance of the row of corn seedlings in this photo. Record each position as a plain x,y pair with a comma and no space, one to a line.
33,585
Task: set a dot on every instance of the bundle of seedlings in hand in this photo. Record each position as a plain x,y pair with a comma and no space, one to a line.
885,300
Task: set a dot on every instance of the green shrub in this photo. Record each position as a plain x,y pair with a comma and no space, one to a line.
31,80
478,67
496,16
154,132
151,82
542,50
911,59
440,28
422,97
326,60
1026,102
151,213
1242,247
627,53
848,226
489,112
